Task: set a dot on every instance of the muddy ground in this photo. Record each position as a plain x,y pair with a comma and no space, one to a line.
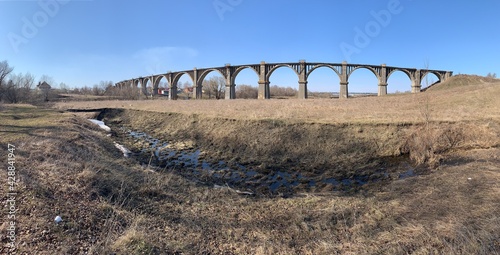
310,156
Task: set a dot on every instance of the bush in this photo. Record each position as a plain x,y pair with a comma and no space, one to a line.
247,92
127,93
283,91
426,144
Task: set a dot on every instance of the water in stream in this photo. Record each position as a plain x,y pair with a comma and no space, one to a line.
190,162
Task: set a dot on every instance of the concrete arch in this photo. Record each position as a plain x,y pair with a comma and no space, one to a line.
400,87
405,71
424,83
157,80
323,65
371,69
177,76
276,67
136,82
140,84
204,74
144,85
427,72
239,69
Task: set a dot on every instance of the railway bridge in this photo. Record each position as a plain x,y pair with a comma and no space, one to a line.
264,70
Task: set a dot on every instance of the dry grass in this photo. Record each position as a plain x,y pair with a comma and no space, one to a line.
458,102
111,205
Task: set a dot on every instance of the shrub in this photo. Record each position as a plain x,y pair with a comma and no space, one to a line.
246,92
427,143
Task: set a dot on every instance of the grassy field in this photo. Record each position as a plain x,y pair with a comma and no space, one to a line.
112,205
461,102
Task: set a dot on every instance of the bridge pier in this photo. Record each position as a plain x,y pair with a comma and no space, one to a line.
155,90
344,76
382,89
198,92
302,79
302,89
416,82
416,89
264,90
344,93
382,83
230,92
172,94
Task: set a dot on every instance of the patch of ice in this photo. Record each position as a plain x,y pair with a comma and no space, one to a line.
100,124
126,152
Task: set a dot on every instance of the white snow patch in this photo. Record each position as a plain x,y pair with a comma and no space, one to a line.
126,152
101,124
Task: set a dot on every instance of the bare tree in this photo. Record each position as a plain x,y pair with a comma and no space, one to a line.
426,110
25,86
125,92
283,91
10,92
246,91
19,87
5,70
63,87
215,86
106,86
101,88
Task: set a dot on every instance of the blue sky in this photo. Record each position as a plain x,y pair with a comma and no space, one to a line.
84,42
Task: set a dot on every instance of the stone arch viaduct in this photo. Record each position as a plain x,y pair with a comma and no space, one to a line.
264,70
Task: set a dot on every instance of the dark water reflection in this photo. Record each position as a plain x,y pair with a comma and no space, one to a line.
191,162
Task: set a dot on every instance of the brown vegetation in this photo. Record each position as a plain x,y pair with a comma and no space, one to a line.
452,104
246,92
112,205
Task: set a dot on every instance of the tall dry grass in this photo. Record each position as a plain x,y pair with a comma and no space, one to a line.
111,205
472,102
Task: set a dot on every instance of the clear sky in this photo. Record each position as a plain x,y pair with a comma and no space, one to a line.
84,42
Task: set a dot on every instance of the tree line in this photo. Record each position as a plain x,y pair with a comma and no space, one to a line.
16,88
21,88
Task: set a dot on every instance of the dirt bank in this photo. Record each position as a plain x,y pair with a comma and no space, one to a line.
314,149
68,167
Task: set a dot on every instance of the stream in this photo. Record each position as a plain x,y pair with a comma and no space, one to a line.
190,162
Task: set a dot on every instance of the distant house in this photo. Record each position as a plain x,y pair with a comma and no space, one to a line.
45,89
162,91
43,86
